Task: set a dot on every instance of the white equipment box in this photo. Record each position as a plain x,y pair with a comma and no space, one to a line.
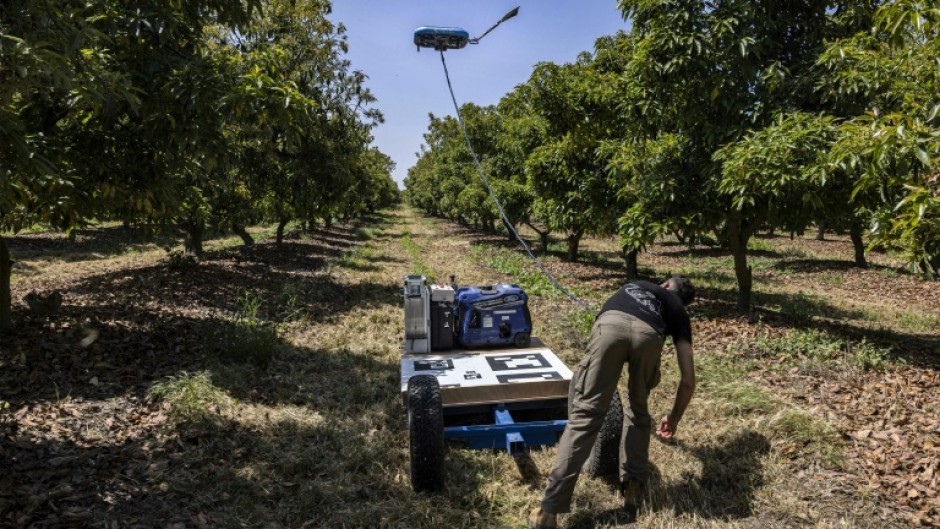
491,376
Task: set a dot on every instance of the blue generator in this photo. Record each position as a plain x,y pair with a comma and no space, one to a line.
493,315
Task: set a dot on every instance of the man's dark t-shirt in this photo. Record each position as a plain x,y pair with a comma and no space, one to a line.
660,308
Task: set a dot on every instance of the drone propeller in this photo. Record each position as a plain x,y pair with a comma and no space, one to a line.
507,16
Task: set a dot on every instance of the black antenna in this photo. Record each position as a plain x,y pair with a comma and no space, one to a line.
506,17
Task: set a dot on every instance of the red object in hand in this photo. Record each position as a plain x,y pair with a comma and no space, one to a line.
666,430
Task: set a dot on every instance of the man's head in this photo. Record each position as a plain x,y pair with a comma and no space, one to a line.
682,287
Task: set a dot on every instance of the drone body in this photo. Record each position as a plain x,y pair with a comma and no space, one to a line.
440,39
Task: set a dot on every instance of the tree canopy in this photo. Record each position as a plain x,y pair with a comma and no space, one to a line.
722,118
181,115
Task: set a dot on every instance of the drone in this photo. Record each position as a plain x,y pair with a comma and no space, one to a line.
444,38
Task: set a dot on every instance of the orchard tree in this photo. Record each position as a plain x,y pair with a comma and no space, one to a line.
885,80
704,74
300,116
568,177
83,108
446,180
178,113
374,188
778,173
520,132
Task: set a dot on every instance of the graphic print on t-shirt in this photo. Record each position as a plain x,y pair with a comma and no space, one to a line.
644,297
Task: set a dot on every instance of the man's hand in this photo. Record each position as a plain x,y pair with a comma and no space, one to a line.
667,429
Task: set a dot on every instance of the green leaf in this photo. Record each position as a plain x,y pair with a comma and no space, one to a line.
933,112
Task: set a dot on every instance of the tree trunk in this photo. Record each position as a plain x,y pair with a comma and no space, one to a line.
194,231
543,238
855,232
574,239
821,234
6,299
738,238
240,230
508,230
680,236
280,229
328,221
630,260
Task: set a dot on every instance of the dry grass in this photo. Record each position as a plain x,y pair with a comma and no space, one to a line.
316,436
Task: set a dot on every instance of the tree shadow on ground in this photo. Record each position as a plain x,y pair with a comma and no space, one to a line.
731,474
597,259
89,243
797,309
706,252
320,432
147,323
336,233
804,266
384,258
320,440
807,312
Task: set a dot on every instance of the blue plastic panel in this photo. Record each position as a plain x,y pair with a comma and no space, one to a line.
507,434
493,436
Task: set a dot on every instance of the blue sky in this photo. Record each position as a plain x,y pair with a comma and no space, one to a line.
409,84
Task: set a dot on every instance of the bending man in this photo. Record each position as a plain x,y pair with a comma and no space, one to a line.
629,331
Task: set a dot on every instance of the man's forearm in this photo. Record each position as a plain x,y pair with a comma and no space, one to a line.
686,380
683,397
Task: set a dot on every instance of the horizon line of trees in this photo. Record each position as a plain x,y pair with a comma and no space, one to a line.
183,116
711,120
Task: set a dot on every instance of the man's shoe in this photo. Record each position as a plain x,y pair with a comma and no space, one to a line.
633,492
539,519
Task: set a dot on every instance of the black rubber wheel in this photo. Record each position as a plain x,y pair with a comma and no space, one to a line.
426,433
522,339
604,460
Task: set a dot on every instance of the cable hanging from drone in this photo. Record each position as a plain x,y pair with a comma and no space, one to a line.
442,39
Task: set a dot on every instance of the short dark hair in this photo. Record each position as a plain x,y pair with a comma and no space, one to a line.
686,290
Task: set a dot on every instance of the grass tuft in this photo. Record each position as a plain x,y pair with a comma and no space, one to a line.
581,321
758,245
418,266
366,234
919,322
802,435
190,398
246,338
717,369
742,398
815,351
516,266
243,341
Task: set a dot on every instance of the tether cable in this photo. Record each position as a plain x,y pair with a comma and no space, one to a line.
499,205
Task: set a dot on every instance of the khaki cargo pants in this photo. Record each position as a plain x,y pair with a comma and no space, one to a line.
616,339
